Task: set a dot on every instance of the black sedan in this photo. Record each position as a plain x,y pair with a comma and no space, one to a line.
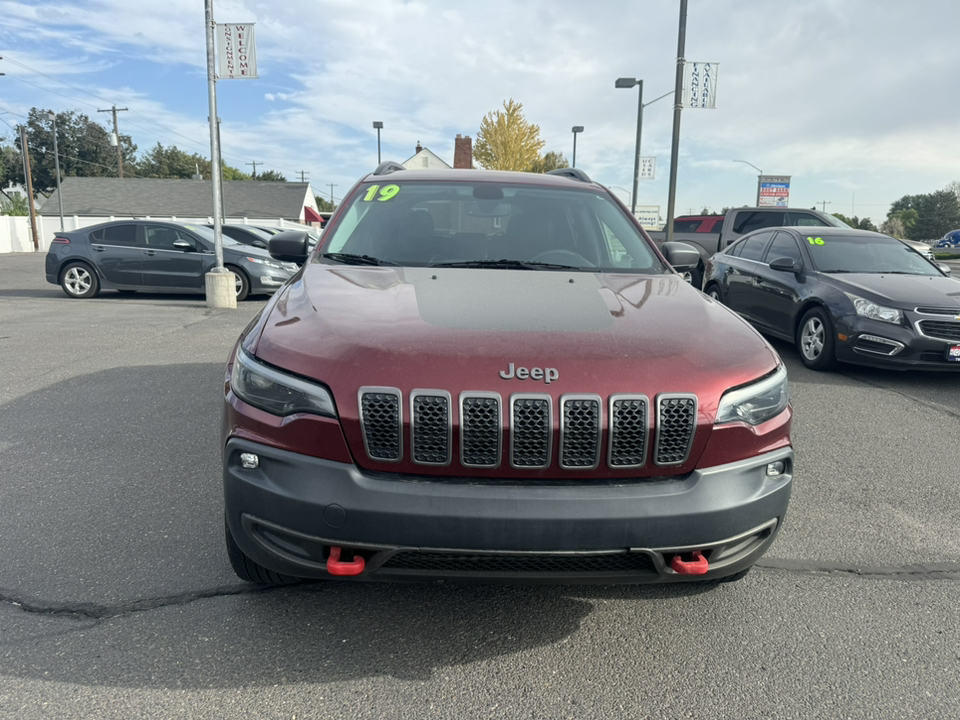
246,234
152,256
842,295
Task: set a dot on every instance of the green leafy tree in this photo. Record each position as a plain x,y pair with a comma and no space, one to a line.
231,173
17,206
551,161
324,205
927,216
271,176
83,145
172,162
855,222
506,141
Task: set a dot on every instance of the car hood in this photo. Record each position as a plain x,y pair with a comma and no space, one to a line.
242,250
461,329
903,291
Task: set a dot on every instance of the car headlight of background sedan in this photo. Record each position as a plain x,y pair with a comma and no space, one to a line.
268,263
873,311
756,403
275,392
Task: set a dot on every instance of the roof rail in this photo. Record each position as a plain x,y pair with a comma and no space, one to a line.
387,167
572,173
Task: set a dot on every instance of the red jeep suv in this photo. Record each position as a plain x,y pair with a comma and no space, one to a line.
495,376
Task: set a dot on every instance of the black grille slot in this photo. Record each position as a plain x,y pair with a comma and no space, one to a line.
480,431
580,433
628,432
530,429
430,429
941,329
675,427
521,563
380,413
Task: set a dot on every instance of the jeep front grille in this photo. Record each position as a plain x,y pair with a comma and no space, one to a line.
534,430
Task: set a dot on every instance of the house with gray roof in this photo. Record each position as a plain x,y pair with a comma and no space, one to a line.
104,198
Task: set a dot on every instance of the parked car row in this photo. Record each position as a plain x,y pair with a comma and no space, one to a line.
842,295
152,256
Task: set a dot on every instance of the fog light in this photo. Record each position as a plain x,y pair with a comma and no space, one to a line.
776,468
251,461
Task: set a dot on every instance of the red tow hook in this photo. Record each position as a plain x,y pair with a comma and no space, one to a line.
697,566
336,567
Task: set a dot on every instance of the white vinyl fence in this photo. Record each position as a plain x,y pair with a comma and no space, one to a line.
15,235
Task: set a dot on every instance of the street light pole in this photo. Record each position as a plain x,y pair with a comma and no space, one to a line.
759,177
677,107
378,125
56,162
576,129
629,83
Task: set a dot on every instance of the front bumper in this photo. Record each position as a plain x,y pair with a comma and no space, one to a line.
885,345
288,512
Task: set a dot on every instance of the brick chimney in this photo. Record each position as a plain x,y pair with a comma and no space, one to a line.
418,148
463,152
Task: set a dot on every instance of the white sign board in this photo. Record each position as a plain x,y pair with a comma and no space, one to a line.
649,216
237,51
648,168
775,190
699,85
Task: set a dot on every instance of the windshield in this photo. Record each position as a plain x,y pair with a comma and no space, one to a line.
208,235
488,225
866,254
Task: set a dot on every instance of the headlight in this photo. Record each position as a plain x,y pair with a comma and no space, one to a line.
869,309
268,263
755,403
276,392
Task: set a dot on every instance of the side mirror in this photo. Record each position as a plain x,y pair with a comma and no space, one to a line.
289,246
785,264
259,244
945,269
681,254
184,245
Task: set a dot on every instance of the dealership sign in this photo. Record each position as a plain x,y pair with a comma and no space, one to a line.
238,54
775,190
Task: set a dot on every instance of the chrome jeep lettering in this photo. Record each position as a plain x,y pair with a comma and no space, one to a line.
547,375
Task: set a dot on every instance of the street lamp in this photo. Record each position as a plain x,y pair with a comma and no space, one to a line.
759,177
629,83
576,129
56,160
378,125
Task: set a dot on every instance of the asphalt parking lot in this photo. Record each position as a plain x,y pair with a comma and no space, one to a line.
117,600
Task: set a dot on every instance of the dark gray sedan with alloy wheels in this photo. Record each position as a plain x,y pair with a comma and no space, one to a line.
151,256
842,295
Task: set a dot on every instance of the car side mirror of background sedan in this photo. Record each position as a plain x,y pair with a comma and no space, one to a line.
184,245
945,269
259,244
785,264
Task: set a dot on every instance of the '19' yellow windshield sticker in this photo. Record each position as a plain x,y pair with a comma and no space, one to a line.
386,192
815,241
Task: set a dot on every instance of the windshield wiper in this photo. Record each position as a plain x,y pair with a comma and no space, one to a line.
505,264
351,259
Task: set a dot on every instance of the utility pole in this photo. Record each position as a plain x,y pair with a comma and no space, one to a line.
116,134
332,186
303,174
823,204
29,178
255,163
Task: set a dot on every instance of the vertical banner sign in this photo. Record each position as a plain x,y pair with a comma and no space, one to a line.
699,85
775,190
238,54
648,168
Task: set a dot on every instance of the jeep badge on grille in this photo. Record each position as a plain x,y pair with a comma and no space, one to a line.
548,375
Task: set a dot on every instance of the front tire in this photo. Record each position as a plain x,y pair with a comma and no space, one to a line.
713,291
79,280
248,570
243,282
816,340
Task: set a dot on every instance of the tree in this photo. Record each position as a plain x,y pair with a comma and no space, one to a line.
927,216
855,222
83,145
894,226
172,162
551,161
506,141
17,206
324,205
271,176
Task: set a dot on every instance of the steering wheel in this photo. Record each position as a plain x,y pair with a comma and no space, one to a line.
562,257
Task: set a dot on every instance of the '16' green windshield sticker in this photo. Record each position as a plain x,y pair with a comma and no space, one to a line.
815,241
386,192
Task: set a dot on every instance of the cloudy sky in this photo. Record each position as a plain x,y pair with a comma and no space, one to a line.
854,99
